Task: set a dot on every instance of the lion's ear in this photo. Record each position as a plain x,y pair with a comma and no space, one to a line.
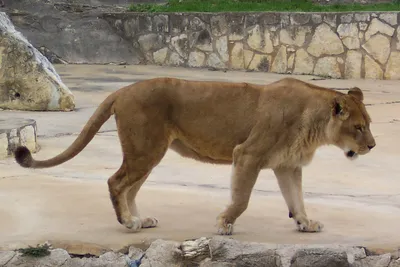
339,108
357,93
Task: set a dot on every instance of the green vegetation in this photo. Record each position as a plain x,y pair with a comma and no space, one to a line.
259,5
38,251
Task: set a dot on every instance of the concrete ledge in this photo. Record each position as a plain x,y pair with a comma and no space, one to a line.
216,251
15,132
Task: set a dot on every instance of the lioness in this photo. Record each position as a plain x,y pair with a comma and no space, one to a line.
277,126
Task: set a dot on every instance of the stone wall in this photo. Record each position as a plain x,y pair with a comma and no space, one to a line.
337,45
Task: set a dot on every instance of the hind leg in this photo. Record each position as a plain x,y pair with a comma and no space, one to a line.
147,222
119,185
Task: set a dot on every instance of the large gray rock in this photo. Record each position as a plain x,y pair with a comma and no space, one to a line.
230,251
28,79
319,257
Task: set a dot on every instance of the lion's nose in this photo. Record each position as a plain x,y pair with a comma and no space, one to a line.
371,147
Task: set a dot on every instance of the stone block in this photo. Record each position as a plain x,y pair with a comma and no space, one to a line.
328,67
377,26
196,59
304,63
319,257
378,46
372,69
280,63
259,40
353,65
393,67
219,25
300,18
325,42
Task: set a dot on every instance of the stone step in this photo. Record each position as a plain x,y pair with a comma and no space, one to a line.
15,132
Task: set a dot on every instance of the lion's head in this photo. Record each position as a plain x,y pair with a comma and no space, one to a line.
351,124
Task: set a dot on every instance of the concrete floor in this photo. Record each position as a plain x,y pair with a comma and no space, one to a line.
358,201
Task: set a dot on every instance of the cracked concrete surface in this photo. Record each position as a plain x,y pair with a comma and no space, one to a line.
358,201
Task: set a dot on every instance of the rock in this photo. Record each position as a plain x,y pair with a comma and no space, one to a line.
160,55
151,42
215,62
202,40
398,38
325,42
394,263
105,260
218,25
294,36
4,152
270,18
327,66
390,18
163,253
175,60
16,132
316,18
195,250
363,26
260,63
378,46
319,257
242,253
160,23
393,67
299,18
377,26
180,45
304,63
374,261
353,65
208,263
280,62
349,35
248,56
361,17
222,48
196,24
56,258
134,252
330,19
236,60
372,69
285,20
28,80
291,61
236,27
178,23
6,256
260,41
346,18
196,59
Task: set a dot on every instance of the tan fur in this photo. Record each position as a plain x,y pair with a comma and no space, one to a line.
277,126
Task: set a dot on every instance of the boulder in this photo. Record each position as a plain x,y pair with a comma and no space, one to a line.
28,79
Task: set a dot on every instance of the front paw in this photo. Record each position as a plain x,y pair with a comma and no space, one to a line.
224,228
309,226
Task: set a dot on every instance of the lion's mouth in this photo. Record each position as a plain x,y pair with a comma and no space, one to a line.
351,154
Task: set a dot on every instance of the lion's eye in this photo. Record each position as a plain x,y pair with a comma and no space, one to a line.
359,128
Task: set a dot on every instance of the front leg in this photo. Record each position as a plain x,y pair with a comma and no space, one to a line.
244,175
290,183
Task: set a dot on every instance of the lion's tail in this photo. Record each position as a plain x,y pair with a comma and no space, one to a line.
101,115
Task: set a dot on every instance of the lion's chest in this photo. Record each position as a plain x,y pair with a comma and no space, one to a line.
290,158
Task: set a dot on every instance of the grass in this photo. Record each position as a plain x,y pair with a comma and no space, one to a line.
37,252
259,5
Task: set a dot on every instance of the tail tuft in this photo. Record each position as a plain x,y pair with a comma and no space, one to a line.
23,156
